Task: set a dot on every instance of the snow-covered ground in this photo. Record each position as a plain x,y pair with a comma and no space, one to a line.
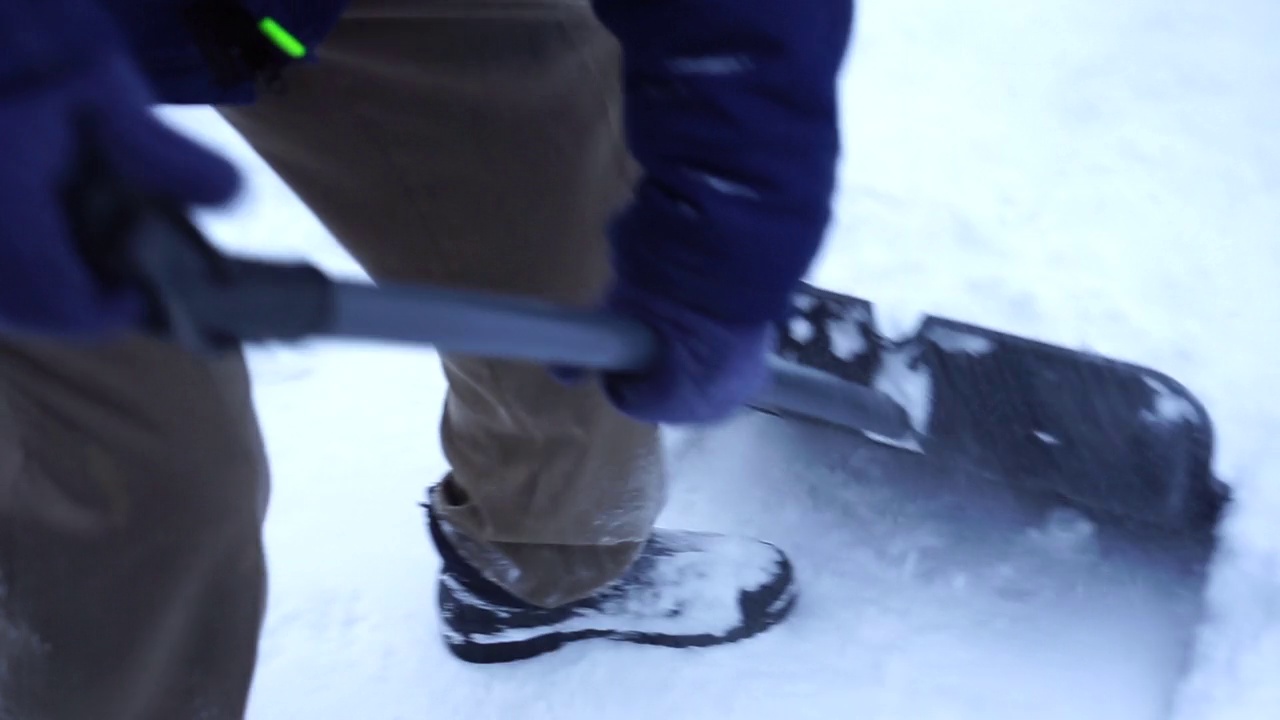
1100,175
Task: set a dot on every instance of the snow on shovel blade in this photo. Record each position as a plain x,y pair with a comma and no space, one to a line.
1110,437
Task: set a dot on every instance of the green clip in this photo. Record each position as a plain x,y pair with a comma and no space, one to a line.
282,38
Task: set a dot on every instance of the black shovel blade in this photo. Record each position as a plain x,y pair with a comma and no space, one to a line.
1109,437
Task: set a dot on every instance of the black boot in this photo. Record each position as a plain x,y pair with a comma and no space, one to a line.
686,589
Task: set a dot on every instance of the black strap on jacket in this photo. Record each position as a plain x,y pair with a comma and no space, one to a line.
234,44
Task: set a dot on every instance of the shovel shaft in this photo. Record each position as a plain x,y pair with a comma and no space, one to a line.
798,391
471,323
207,301
521,329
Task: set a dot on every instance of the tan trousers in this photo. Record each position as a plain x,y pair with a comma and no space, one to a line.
472,144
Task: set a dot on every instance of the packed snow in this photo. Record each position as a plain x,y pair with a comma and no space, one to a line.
960,342
908,383
1100,175
800,329
845,336
1170,407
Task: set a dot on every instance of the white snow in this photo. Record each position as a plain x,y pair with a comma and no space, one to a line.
898,321
1099,175
1170,407
845,334
800,328
1066,532
908,384
910,442
955,341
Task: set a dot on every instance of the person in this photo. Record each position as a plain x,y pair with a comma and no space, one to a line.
669,161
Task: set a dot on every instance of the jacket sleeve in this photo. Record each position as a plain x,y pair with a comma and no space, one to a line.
42,39
731,109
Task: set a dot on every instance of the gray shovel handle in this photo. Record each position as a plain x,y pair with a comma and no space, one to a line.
486,325
204,300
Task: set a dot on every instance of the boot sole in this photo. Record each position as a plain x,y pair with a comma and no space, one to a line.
778,600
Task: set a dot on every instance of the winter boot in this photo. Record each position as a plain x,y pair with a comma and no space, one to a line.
686,589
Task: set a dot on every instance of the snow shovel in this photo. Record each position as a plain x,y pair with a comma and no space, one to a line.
1111,438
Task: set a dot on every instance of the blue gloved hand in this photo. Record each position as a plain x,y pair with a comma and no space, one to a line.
63,72
731,110
705,369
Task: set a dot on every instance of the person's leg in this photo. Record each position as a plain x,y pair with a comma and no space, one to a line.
483,151
478,145
133,485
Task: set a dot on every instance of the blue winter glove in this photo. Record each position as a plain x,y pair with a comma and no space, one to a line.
62,70
706,369
731,110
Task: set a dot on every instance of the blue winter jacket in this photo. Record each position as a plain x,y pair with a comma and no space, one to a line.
731,108
157,31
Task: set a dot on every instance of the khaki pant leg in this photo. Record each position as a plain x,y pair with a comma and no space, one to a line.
477,145
133,485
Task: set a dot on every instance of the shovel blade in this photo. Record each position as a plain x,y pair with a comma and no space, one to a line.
1112,438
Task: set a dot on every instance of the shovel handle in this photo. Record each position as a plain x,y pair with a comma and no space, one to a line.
208,302
518,328
486,325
